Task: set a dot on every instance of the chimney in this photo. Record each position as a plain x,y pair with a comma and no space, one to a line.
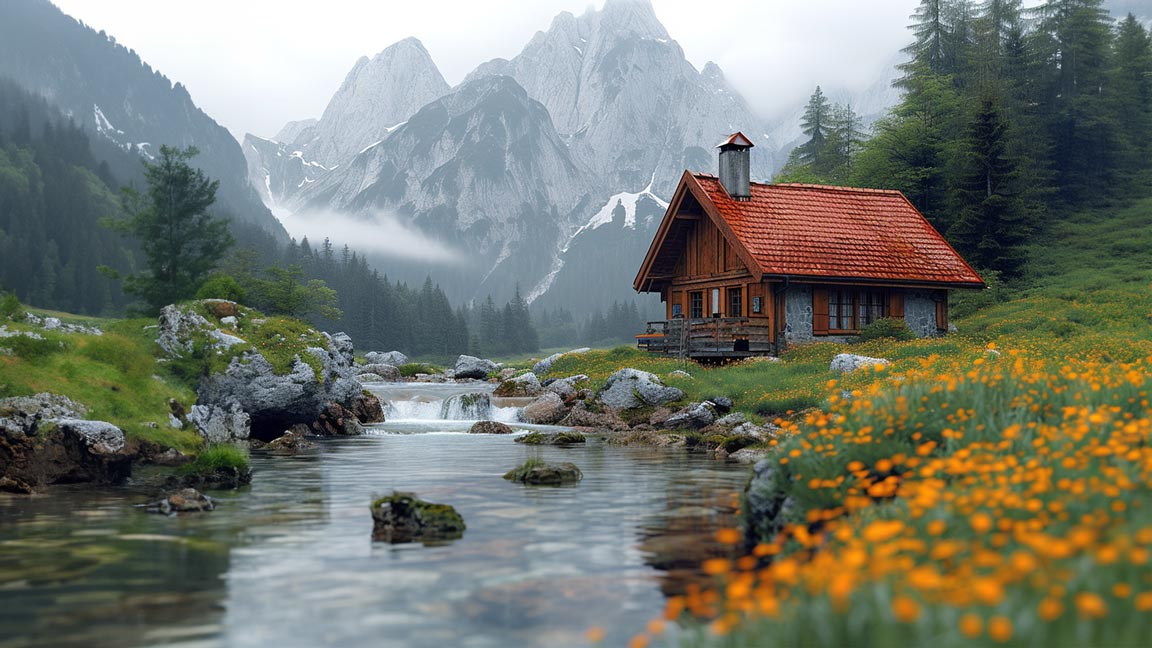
734,166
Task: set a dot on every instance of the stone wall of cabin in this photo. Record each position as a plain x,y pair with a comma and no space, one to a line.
919,314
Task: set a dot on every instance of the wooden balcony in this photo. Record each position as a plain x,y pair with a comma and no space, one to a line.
708,338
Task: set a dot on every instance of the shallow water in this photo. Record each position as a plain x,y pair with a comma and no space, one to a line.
289,561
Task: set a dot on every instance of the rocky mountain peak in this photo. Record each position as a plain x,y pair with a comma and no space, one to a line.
377,94
634,17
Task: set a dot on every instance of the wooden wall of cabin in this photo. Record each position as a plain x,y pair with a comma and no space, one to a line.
708,264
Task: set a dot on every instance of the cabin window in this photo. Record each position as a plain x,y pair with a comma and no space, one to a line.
872,305
715,302
696,304
735,302
840,310
677,311
849,311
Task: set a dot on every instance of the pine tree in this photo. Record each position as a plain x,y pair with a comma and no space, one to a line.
815,124
181,242
1131,98
991,223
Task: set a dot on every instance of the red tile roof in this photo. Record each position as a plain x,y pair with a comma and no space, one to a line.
838,232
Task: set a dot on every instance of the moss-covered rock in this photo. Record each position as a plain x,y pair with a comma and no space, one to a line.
556,439
402,517
536,472
489,427
222,466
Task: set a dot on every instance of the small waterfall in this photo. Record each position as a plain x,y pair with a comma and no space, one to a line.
444,402
476,406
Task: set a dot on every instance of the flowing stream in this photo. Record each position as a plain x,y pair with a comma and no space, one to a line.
289,561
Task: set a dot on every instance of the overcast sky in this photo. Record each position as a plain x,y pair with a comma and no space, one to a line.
255,64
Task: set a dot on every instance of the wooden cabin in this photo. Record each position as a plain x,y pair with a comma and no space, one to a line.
745,268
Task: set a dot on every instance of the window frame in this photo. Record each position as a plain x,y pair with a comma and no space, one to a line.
864,306
696,304
735,301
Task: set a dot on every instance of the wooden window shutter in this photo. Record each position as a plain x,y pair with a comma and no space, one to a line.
819,311
942,315
896,304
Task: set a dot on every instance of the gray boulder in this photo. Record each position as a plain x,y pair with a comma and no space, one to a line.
567,387
767,505
630,388
220,424
371,378
99,437
546,410
178,328
38,448
25,411
342,343
732,420
386,371
472,367
847,362
337,420
748,455
525,385
545,365
394,358
694,417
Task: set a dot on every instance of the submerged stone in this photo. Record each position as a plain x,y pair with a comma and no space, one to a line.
556,439
402,517
187,500
538,473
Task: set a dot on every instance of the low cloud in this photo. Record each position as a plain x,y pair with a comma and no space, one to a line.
380,233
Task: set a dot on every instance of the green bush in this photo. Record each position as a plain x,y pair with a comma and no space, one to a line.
222,286
887,328
33,348
10,307
222,456
412,368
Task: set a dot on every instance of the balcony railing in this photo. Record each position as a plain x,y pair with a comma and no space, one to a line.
734,337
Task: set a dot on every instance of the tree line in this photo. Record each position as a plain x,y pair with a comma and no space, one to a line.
1008,115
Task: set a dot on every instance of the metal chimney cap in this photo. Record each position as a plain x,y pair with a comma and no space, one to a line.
736,140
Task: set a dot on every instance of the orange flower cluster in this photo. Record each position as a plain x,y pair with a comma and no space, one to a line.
956,501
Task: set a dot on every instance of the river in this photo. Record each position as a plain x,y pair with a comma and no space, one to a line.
289,561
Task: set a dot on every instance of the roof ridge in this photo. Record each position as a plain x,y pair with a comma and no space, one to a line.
802,185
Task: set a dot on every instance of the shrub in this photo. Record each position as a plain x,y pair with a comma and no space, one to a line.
222,286
33,348
412,368
10,307
887,328
214,458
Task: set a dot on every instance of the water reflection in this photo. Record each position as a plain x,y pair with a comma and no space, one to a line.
291,562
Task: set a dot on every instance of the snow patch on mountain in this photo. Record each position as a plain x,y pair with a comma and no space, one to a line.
628,202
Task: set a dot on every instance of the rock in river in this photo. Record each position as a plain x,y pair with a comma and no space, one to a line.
187,500
538,473
489,427
402,517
